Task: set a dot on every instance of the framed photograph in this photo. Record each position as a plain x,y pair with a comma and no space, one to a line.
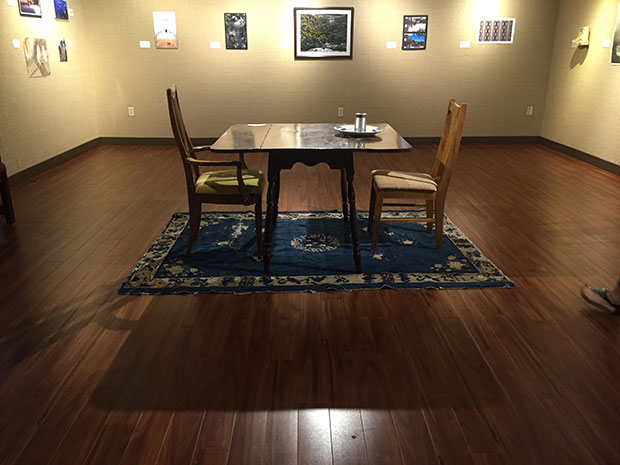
37,58
323,33
62,49
414,32
30,8
60,7
496,31
165,28
236,29
615,49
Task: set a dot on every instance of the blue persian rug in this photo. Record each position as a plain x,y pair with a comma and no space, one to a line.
311,251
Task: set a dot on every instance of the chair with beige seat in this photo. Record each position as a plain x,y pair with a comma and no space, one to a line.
234,186
430,188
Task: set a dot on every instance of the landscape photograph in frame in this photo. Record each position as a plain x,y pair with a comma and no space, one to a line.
414,32
323,33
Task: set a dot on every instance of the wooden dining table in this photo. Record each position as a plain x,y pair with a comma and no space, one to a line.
310,144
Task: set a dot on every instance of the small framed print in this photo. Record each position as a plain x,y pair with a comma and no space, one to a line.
236,29
30,8
496,31
60,8
415,30
323,33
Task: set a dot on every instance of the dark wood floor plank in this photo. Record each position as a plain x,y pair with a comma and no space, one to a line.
69,404
348,444
315,442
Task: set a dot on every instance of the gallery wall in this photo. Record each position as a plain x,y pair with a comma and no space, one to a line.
409,89
584,89
44,116
88,96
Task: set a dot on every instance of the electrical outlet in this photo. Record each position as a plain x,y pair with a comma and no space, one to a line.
130,111
530,110
340,112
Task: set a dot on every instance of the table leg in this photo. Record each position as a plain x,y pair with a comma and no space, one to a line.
270,219
276,199
343,192
354,232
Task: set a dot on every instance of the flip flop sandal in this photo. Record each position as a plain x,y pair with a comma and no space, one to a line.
602,293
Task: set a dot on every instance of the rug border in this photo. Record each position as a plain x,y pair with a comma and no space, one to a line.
495,278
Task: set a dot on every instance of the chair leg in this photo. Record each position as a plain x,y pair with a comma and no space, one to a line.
376,222
429,214
195,210
438,226
7,204
371,207
259,228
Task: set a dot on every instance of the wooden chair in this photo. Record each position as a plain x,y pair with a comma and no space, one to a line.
6,208
430,188
234,186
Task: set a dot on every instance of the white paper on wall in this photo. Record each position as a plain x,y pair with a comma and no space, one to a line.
165,28
11,2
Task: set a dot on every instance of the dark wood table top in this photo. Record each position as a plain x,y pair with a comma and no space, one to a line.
272,137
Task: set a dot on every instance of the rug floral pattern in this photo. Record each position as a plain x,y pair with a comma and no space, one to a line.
311,251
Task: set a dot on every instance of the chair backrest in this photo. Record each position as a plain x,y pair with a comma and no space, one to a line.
184,143
449,145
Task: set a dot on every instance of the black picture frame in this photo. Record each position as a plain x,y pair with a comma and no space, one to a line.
236,31
30,8
415,32
323,33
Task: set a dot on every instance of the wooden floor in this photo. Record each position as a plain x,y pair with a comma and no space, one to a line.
495,376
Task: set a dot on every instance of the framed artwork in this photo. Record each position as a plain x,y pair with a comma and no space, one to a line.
414,32
62,49
615,49
496,31
236,29
165,28
37,58
60,7
30,8
323,33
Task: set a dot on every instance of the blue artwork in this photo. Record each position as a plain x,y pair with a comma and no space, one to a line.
60,6
312,251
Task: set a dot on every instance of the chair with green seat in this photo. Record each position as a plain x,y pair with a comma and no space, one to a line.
233,186
6,208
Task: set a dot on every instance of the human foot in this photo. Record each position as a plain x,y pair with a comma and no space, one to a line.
600,299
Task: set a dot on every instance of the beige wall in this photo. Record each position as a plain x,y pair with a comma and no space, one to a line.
42,117
584,89
409,89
